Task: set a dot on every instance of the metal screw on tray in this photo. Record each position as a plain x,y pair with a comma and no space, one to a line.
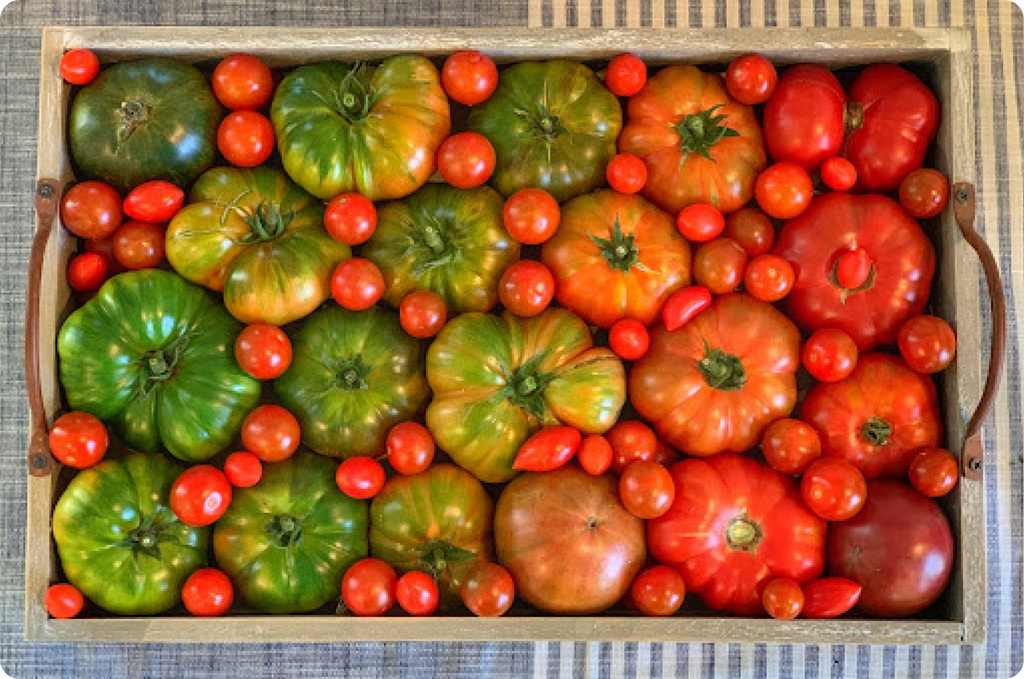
974,464
963,195
45,190
39,461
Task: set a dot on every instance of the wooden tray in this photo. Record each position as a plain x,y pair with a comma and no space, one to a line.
941,53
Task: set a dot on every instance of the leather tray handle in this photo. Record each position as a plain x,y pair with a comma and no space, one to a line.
964,208
40,460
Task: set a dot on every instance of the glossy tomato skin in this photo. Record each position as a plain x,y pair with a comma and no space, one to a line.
87,272
360,477
531,216
526,288
154,201
790,446
357,284
684,305
626,173
734,526
208,592
752,229
410,448
469,77
803,119
422,313
369,587
719,265
595,454
91,210
933,472
466,160
79,66
139,245
263,351
924,193
271,433
783,599
626,75
548,449
838,174
829,355
646,489
658,591
242,82
350,218
751,79
700,222
853,268
200,495
78,439
830,597
243,469
245,138
629,339
417,593
769,278
833,488
631,441
784,190
927,344
488,590
64,601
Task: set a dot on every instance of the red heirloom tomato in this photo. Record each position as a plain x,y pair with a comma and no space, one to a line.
829,355
838,174
784,190
783,599
927,344
200,495
154,201
626,173
263,351
87,271
924,193
548,449
790,446
933,472
833,488
719,265
368,587
139,245
700,222
350,218
752,229
804,118
360,477
243,469
646,489
531,216
488,590
64,601
78,439
626,75
629,339
769,278
422,313
91,210
469,77
357,284
466,160
902,264
892,119
271,433
242,81
410,447
208,592
830,597
245,138
877,418
595,455
526,288
79,66
631,441
736,525
417,593
658,591
751,79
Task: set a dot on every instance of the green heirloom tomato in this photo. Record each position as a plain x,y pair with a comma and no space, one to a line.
447,240
497,381
353,376
153,356
118,540
352,127
141,120
553,126
260,239
286,542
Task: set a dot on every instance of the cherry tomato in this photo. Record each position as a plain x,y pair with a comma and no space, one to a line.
531,216
208,592
466,160
245,138
783,599
631,441
752,229
368,587
751,79
243,469
934,472
469,77
104,247
200,495
139,245
658,591
64,601
263,351
683,305
526,288
417,593
422,313
700,222
853,268
360,477
927,344
829,355
79,66
769,278
350,218
646,489
548,449
626,173
830,597
626,75
629,339
924,193
91,210
271,433
488,590
357,284
719,265
87,272
156,201
410,448
784,190
595,455
834,489
242,82
790,446
838,174
78,439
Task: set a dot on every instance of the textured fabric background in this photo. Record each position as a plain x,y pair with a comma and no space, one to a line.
997,30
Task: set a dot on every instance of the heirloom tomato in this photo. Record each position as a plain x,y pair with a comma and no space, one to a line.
804,118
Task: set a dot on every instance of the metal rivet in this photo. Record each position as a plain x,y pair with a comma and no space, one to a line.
39,461
45,190
963,195
974,464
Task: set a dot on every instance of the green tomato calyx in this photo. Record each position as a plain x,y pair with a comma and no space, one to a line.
526,386
742,534
266,223
133,115
437,554
160,364
619,251
285,530
721,370
876,431
698,132
146,536
352,374
354,97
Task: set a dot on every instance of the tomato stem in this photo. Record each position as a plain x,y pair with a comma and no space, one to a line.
721,370
619,251
134,115
742,534
698,132
285,530
876,431
352,374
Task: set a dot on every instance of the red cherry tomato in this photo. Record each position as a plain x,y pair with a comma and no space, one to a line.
242,82
626,75
700,222
934,472
368,587
271,433
417,593
783,599
207,592
104,247
139,245
466,160
853,268
834,489
79,66
784,190
646,489
751,79
245,138
350,218
548,449
488,590
829,355
469,77
790,446
243,469
838,174
626,173
200,495
156,201
629,339
595,454
91,210
719,265
526,288
752,229
410,448
769,278
422,313
357,284
683,305
64,601
927,344
631,441
360,477
924,193
263,351
658,591
78,439
830,597
531,216
87,272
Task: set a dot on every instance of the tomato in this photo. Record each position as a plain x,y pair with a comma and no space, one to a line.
469,77
263,351
79,66
933,472
548,449
631,441
784,190
626,173
700,222
790,446
488,590
833,488
829,355
751,79
466,160
139,245
838,174
769,278
87,271
924,193
629,339
357,284
368,588
360,477
417,593
208,592
531,216
927,344
783,599
271,433
830,597
719,265
422,314
155,201
804,118
752,229
646,489
91,210
104,247
64,601
853,268
410,448
243,469
350,218
684,305
595,454
78,439
242,82
626,75
245,138
200,495
665,454
658,591
526,288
